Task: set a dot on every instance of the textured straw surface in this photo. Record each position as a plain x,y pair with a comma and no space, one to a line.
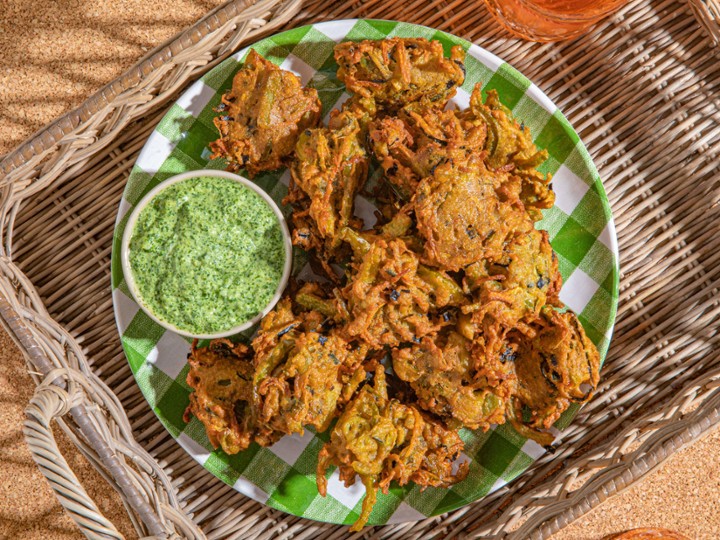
642,92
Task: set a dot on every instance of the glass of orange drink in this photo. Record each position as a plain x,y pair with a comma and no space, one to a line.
550,20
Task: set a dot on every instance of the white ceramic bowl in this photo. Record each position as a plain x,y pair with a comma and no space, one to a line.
132,220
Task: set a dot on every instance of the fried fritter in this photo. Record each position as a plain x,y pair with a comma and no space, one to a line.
411,145
263,114
398,71
555,366
510,147
329,169
299,373
461,218
381,440
447,383
304,390
221,376
509,292
296,378
362,109
389,294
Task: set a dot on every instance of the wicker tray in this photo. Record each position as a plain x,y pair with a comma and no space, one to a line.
642,91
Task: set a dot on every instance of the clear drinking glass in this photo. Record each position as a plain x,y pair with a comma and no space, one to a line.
550,20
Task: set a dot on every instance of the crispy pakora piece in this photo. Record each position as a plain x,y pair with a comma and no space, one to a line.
509,293
398,71
330,168
411,145
510,147
304,390
555,366
461,218
221,376
300,374
313,297
262,116
363,109
381,440
389,295
297,377
446,380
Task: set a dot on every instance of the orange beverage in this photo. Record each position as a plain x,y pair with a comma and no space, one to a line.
550,20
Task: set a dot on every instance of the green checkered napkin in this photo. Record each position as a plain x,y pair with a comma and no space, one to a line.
283,476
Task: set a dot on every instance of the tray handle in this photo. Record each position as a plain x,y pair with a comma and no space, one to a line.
69,391
48,403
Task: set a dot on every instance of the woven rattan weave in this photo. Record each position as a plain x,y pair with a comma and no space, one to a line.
643,92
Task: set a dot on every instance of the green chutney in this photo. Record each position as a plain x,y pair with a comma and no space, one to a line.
207,254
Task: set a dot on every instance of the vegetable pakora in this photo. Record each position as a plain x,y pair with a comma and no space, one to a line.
447,383
382,440
555,365
293,377
510,147
461,218
300,371
411,145
390,295
329,169
221,376
395,72
508,293
262,116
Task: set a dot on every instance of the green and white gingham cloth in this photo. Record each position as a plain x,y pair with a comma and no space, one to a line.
283,476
